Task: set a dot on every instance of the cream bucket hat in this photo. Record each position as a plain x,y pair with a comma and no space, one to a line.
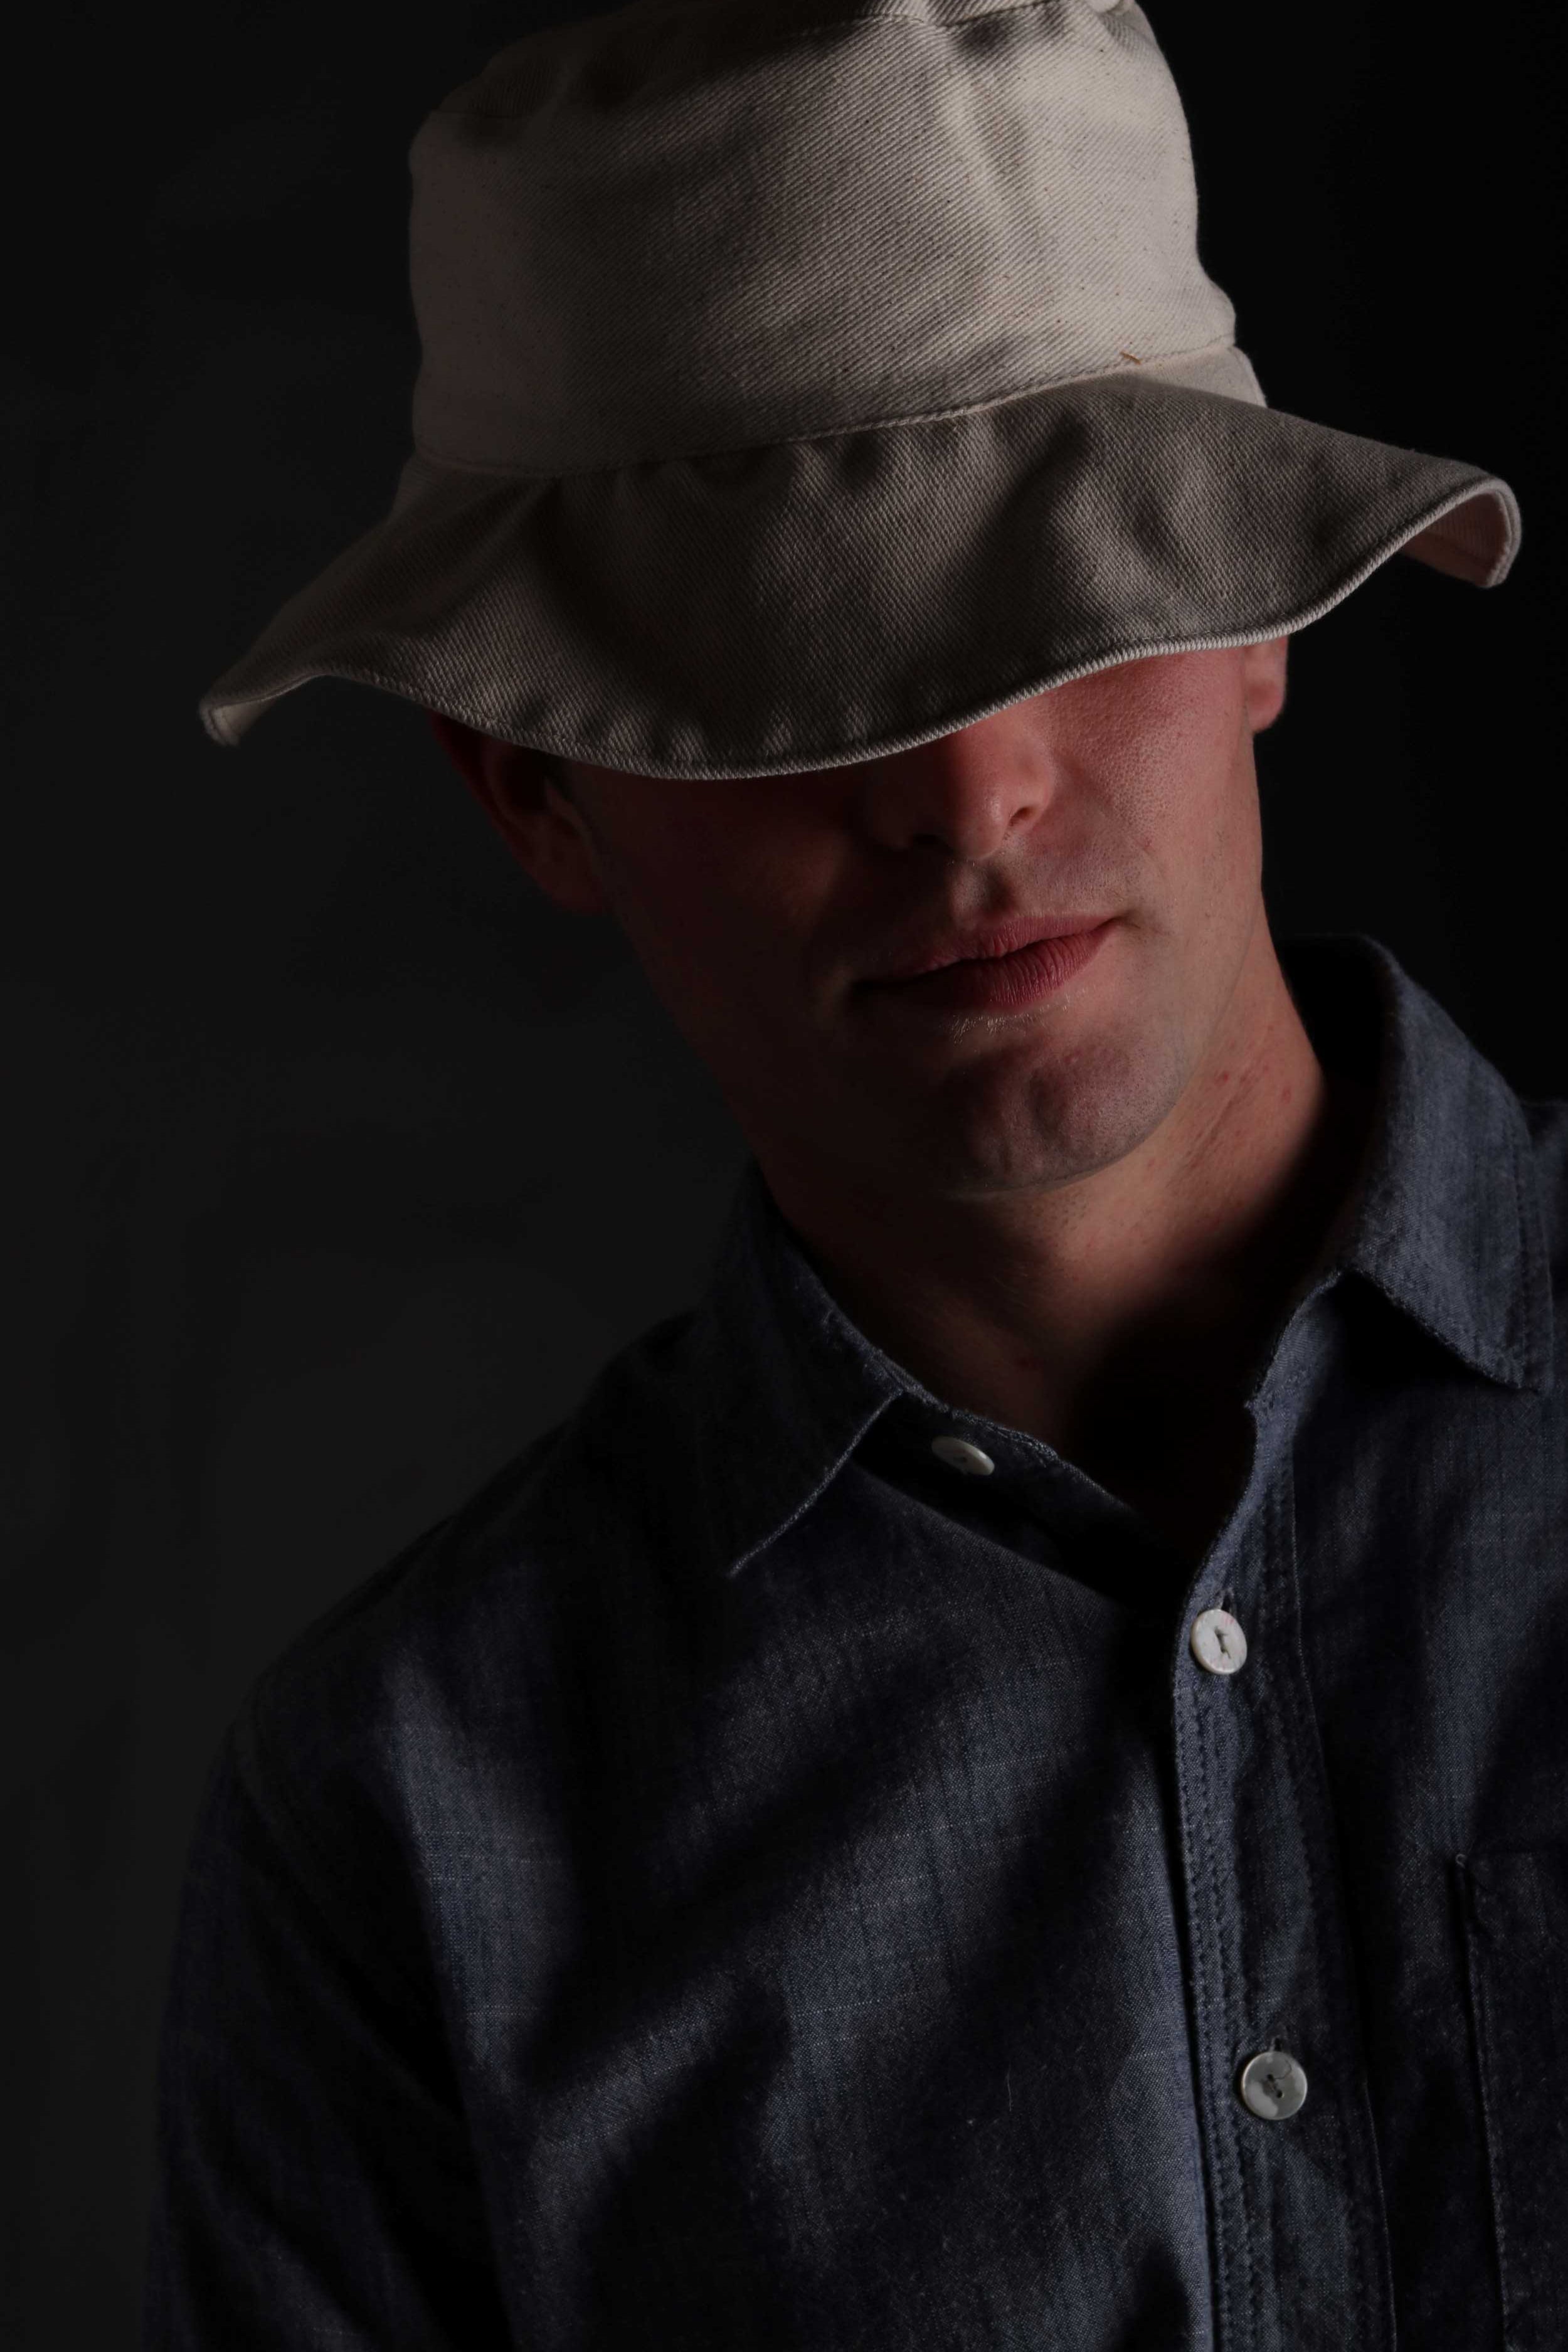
800,382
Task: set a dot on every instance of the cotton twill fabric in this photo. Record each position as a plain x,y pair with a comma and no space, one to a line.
738,1882
773,609
803,381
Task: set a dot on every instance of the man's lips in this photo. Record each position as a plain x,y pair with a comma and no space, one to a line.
998,984
981,945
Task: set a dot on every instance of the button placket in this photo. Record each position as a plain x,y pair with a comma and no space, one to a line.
1270,1944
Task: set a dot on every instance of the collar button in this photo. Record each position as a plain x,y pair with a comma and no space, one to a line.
959,1454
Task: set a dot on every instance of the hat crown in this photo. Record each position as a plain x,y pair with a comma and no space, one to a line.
683,230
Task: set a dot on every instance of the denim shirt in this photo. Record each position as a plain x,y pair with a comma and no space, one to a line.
742,1882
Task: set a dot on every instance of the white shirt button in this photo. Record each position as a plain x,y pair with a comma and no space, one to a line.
1104,7
1273,2085
1217,1641
959,1454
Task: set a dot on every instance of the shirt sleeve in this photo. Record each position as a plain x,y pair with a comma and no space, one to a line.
314,2183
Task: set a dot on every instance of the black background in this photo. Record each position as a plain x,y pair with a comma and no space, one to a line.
339,1159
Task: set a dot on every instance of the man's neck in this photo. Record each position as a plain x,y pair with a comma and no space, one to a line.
1117,1317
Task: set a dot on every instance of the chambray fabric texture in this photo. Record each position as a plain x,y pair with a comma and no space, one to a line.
737,1881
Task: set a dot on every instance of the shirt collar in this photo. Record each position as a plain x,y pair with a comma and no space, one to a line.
1445,1220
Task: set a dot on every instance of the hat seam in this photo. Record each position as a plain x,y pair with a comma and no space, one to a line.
836,431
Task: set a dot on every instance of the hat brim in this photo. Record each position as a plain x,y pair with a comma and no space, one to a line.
763,611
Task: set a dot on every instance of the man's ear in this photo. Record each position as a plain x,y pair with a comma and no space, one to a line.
1264,667
544,832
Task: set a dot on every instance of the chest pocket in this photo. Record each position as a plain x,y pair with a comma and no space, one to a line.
1515,1910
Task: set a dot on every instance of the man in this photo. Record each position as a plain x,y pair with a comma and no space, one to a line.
1000,1781
1080,1213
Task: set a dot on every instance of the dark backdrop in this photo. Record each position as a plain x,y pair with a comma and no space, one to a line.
340,1161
